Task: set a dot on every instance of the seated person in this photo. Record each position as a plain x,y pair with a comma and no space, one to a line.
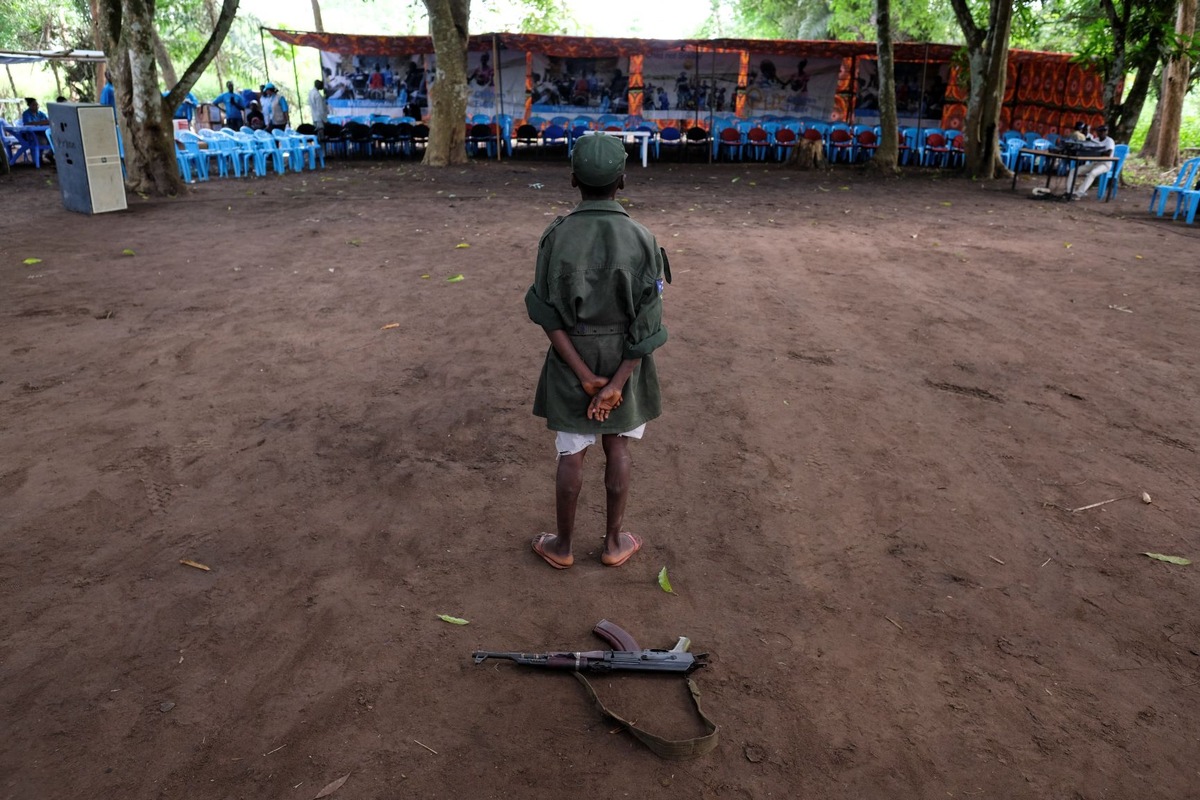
33,115
1089,171
254,117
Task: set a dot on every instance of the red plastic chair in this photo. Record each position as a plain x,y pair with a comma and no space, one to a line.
758,141
841,144
785,139
866,142
730,140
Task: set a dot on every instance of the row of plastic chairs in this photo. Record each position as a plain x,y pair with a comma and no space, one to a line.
241,153
377,139
1185,190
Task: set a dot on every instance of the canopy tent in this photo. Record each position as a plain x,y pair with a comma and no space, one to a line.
33,56
692,78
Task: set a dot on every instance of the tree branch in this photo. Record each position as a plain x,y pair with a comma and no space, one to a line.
970,30
207,54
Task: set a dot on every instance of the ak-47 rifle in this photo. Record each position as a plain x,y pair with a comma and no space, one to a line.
625,656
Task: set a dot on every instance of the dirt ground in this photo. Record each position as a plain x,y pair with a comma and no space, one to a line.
882,401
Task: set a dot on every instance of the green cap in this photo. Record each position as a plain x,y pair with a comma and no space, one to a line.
598,159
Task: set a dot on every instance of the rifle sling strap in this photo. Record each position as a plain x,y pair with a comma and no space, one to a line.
672,749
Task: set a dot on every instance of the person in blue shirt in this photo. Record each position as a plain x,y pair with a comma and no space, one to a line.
187,109
108,95
231,105
33,115
275,108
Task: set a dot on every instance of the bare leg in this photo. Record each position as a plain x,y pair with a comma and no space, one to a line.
618,545
556,548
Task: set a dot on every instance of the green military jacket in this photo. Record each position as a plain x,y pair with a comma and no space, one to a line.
600,278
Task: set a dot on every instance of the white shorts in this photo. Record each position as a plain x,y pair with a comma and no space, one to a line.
568,444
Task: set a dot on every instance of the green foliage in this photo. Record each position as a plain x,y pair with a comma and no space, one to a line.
913,20
42,24
547,16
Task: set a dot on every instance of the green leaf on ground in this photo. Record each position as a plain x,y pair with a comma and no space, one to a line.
354,242
1181,561
455,278
461,246
946,203
128,252
664,582
332,787
453,620
29,262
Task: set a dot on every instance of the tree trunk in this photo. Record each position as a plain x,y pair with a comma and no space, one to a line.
1175,82
164,61
126,30
149,140
319,26
448,95
987,56
98,41
887,152
1123,117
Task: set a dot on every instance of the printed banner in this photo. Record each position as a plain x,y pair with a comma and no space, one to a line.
913,100
399,85
801,87
573,86
690,83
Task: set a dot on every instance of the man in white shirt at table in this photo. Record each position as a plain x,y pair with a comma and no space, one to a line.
1089,170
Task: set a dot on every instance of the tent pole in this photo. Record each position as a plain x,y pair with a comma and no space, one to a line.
921,96
296,76
262,40
499,93
712,74
12,83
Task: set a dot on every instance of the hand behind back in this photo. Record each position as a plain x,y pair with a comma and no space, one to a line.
603,403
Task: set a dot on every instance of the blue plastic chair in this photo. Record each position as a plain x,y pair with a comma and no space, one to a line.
555,136
1109,182
670,136
1040,162
199,158
258,153
226,152
292,148
1184,181
481,119
505,121
1189,201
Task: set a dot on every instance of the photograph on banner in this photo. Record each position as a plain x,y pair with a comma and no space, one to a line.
920,89
791,85
394,85
580,85
687,82
492,90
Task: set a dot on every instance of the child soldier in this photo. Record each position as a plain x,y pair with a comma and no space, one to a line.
597,292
